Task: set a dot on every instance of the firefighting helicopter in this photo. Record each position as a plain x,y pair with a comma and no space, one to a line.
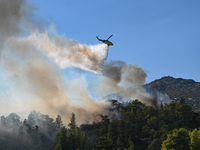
105,41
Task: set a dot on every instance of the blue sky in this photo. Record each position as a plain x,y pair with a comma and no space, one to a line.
161,36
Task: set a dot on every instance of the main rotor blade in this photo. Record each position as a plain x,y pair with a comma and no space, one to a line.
110,37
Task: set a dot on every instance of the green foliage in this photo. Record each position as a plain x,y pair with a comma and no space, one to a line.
142,127
72,124
161,123
58,147
78,137
153,134
130,144
121,129
63,138
58,123
104,143
152,122
119,144
104,125
112,131
184,113
71,141
155,144
145,131
139,127
149,111
195,140
163,131
178,140
136,105
131,147
139,116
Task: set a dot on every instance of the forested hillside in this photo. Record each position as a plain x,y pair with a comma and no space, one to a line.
177,88
140,127
37,132
134,126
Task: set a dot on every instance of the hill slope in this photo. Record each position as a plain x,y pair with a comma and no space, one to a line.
177,88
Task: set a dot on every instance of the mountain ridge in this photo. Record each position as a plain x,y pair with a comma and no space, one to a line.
177,88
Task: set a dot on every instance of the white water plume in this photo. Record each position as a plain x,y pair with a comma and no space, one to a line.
67,52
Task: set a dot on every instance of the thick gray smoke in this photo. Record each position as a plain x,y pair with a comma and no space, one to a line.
32,65
11,17
126,80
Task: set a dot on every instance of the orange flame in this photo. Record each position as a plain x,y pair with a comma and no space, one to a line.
102,120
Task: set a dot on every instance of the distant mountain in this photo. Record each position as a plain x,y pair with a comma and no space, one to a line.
177,88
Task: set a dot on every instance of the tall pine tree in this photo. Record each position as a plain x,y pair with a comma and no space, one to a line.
72,124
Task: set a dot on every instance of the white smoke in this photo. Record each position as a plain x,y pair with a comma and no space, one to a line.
69,53
32,65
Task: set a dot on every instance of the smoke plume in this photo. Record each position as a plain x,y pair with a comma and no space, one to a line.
126,80
32,65
67,52
32,60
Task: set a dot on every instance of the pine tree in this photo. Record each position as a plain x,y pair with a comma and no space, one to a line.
112,131
58,123
87,145
49,125
184,114
63,139
58,147
136,105
130,144
78,137
104,143
119,143
72,124
104,126
121,129
130,131
82,142
71,141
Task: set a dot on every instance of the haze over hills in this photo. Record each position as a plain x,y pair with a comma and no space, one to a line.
177,88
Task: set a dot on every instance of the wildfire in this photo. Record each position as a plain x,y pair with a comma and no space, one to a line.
102,120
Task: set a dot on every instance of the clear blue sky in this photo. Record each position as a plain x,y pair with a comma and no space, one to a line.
161,36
